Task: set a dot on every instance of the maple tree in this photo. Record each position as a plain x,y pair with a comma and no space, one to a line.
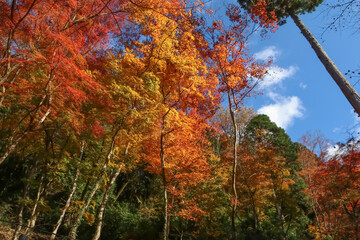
168,63
336,194
311,155
237,73
44,55
120,102
182,87
133,99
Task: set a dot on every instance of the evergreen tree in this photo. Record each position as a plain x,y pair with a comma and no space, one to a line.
287,206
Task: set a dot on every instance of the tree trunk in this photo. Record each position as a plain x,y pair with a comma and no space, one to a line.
68,201
18,228
317,221
235,145
120,191
253,206
280,215
100,216
35,212
162,158
66,207
85,190
30,127
347,89
76,224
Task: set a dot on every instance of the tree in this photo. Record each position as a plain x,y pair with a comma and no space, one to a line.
279,11
343,14
183,92
338,192
133,101
311,156
45,50
276,165
238,75
128,101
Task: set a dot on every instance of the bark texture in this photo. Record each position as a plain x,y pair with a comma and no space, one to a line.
235,163
76,224
347,89
71,195
100,216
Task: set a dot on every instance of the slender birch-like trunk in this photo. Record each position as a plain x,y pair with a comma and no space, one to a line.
66,207
18,228
163,167
235,163
35,212
68,201
280,215
76,224
120,191
100,216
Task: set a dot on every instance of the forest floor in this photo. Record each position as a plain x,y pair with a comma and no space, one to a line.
6,233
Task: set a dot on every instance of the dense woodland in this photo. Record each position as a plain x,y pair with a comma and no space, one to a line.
125,119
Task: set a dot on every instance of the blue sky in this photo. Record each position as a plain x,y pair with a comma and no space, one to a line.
299,95
306,98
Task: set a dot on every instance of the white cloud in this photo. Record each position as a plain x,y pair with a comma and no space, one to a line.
335,130
284,111
276,75
303,85
268,53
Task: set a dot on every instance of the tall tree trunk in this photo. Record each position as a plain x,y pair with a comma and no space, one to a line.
347,89
66,207
100,216
69,200
163,167
253,206
235,145
76,224
317,220
85,190
280,215
35,212
120,191
18,228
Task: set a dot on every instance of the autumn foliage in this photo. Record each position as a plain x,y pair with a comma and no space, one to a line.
261,15
126,119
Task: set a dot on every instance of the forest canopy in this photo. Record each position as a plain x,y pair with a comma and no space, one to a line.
127,120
